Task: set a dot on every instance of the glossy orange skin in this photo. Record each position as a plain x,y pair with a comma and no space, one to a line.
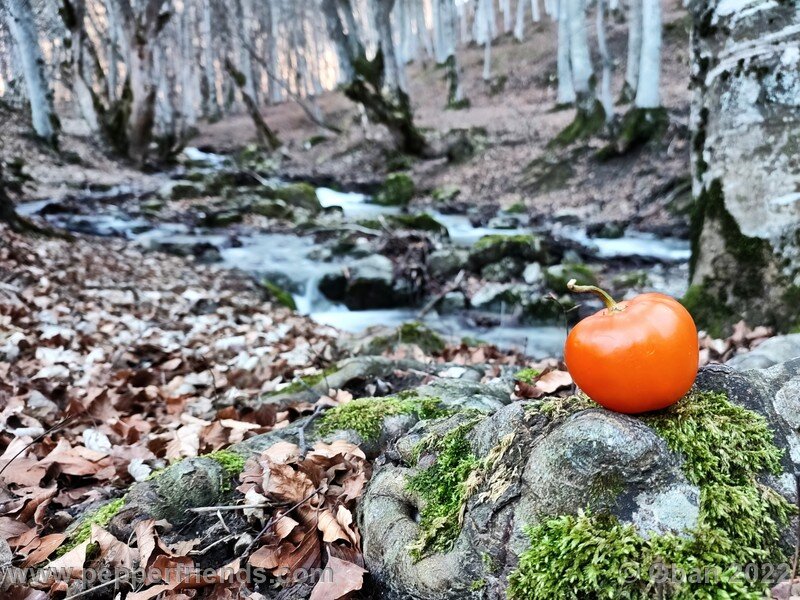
641,358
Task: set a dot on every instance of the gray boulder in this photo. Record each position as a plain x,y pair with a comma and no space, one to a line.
540,464
775,350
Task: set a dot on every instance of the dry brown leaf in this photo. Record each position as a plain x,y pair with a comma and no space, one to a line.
553,381
346,578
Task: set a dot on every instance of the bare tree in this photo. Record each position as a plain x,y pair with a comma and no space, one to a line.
22,24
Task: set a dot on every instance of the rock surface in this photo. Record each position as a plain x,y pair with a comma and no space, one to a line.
553,466
746,119
772,351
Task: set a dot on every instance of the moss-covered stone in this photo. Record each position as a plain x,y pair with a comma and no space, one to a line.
101,517
492,248
301,195
272,209
414,333
446,193
557,276
366,416
397,190
527,375
418,222
232,462
710,313
222,218
518,208
280,295
725,448
445,487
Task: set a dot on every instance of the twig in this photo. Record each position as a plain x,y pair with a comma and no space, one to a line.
115,581
301,431
202,551
275,519
210,509
447,289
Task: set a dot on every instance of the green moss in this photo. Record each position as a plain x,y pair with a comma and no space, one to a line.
304,383
724,448
413,333
548,172
232,462
631,279
477,585
494,239
419,222
720,442
301,195
397,190
586,124
639,126
280,295
518,208
444,488
492,248
710,313
100,517
365,416
527,375
446,193
557,277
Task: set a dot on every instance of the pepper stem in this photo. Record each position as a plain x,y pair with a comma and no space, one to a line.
572,286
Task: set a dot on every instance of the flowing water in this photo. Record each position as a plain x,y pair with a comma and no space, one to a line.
292,262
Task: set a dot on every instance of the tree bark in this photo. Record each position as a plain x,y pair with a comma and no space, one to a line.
566,90
745,123
634,51
648,92
21,22
266,137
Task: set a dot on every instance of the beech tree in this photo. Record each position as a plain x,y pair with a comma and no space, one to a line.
22,24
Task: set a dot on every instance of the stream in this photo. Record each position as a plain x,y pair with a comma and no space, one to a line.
293,261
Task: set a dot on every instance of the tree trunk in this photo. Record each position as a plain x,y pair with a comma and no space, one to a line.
73,13
605,60
382,97
266,137
634,51
211,106
455,91
566,91
579,56
648,92
745,122
519,27
22,24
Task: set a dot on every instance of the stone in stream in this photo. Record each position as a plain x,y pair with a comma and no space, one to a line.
368,283
493,248
505,269
586,476
444,264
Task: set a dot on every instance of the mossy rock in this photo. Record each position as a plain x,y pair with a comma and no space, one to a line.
414,333
397,190
280,295
606,497
273,209
183,190
418,222
518,208
222,218
493,248
445,193
557,276
301,195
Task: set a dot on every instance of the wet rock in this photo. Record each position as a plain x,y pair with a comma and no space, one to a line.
452,302
607,229
497,297
493,248
419,222
370,284
533,274
445,263
557,276
386,339
505,269
770,352
446,193
273,209
503,222
181,190
397,190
